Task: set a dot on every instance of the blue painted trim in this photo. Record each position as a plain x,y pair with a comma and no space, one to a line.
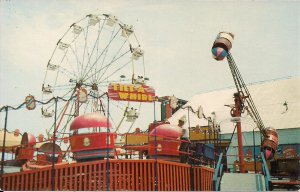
266,172
218,174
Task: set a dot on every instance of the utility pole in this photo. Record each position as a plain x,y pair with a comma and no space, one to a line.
3,146
53,149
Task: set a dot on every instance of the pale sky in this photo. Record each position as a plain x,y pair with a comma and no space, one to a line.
176,36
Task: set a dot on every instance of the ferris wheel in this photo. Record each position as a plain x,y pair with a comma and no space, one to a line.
93,53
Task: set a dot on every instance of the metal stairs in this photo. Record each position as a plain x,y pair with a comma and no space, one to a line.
242,182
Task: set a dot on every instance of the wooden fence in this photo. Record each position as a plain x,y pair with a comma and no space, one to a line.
134,175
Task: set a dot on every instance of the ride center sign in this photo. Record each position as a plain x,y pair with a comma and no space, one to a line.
130,92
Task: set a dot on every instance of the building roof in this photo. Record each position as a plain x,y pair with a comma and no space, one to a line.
269,98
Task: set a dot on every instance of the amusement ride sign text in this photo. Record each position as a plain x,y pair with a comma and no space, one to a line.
137,93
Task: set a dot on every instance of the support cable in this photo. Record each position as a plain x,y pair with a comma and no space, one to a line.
242,89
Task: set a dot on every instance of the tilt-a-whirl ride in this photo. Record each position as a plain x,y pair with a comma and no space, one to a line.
94,91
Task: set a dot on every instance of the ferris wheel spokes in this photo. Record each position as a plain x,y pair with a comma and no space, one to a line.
94,52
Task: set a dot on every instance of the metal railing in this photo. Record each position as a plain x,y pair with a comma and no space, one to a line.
218,174
266,173
132,175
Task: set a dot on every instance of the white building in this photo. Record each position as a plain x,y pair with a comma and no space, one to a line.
277,101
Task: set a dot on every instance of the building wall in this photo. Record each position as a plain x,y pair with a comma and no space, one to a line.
288,139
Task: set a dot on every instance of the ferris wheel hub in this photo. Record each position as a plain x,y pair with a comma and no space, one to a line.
94,87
